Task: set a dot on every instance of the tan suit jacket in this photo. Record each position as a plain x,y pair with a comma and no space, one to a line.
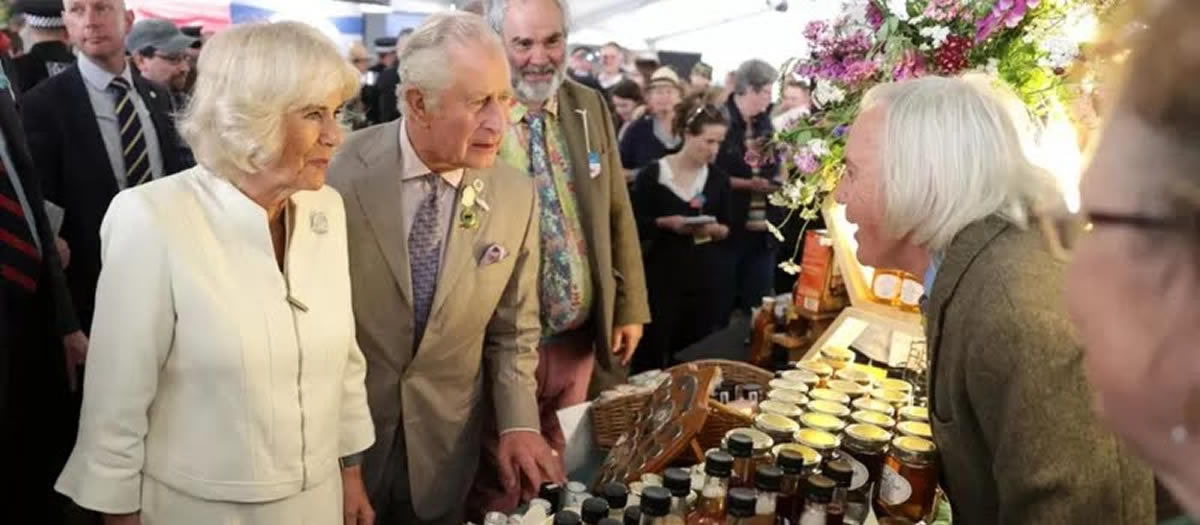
614,252
483,327
1009,404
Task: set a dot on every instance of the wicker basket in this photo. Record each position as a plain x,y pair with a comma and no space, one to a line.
611,418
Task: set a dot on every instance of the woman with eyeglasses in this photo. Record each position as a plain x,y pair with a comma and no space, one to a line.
682,206
1134,280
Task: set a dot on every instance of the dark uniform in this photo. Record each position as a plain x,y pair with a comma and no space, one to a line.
372,90
44,59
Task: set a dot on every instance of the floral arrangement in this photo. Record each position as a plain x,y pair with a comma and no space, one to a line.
1035,46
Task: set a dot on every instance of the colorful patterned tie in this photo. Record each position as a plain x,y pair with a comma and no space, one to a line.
425,256
133,138
20,262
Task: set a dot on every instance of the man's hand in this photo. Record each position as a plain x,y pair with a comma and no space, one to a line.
64,252
356,507
75,346
625,341
526,461
762,185
715,230
123,519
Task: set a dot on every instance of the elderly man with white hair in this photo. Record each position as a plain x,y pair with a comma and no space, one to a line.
939,185
444,255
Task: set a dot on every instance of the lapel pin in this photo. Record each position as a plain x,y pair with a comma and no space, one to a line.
318,222
468,219
468,197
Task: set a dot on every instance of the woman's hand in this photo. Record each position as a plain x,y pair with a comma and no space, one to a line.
356,507
123,519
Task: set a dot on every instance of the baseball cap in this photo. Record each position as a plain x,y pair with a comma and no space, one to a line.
161,35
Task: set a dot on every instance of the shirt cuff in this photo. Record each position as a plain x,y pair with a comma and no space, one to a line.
521,429
353,460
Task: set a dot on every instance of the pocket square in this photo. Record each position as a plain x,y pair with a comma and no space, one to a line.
493,254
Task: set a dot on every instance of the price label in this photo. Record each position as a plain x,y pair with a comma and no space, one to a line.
893,488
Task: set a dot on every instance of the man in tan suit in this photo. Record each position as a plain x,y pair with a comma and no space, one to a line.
437,325
592,287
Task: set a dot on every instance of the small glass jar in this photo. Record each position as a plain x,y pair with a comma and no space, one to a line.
874,405
908,482
915,429
823,422
837,358
762,446
895,398
867,417
898,385
788,396
914,413
821,368
823,442
808,378
750,392
865,448
788,384
812,458
780,408
825,394
780,428
828,407
857,375
850,388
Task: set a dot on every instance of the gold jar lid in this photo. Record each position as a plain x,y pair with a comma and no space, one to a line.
788,396
914,449
822,421
762,442
859,376
818,440
811,457
869,434
775,424
915,429
873,418
828,407
780,408
874,405
788,384
850,388
894,397
825,394
808,377
915,413
817,367
898,385
837,354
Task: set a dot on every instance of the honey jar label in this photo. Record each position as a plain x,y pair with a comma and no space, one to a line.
893,488
861,475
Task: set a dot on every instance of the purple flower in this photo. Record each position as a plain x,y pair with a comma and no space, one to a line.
840,131
874,16
1009,13
859,72
806,161
813,30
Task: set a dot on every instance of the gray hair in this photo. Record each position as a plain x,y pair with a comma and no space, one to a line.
753,74
423,62
496,9
953,154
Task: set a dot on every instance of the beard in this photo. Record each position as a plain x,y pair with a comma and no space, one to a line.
540,91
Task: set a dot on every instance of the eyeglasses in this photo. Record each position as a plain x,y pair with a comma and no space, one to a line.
707,109
172,58
1143,222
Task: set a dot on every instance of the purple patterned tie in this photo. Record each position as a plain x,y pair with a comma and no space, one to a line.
425,255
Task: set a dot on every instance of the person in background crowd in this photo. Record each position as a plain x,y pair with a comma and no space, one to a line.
439,366
792,105
355,111
385,50
628,105
94,130
160,52
592,286
700,78
1132,280
750,250
612,65
230,274
50,54
583,73
16,24
36,319
644,68
939,185
682,258
197,33
387,105
654,136
796,101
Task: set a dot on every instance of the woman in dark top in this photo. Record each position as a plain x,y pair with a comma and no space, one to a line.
654,135
682,205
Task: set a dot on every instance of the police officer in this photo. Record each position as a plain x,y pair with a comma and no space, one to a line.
385,48
50,54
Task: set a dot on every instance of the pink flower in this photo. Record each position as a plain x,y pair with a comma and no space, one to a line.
806,161
912,65
874,16
859,72
1010,13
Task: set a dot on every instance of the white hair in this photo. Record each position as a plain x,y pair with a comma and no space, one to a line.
250,77
952,155
424,62
496,9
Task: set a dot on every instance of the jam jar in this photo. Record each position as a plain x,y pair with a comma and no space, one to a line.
762,445
788,396
812,458
806,377
788,384
856,375
895,398
874,405
828,407
823,422
914,413
868,417
915,429
823,442
780,408
849,388
826,394
836,357
780,428
908,483
898,385
821,368
864,446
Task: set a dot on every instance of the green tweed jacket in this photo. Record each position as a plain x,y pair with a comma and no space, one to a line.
1009,404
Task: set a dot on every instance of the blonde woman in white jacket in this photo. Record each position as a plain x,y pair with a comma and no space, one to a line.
224,384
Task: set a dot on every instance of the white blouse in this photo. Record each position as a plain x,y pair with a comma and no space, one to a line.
209,370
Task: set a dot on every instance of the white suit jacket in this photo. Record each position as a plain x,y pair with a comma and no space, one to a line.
210,370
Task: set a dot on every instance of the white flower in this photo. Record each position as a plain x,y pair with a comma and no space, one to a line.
818,147
899,8
1060,52
993,66
775,231
916,20
856,11
827,94
925,47
789,267
937,35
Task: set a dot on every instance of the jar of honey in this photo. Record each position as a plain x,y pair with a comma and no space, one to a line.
837,358
762,445
780,408
826,394
812,458
898,385
850,388
861,377
911,292
780,428
908,482
873,405
788,396
914,413
885,286
895,398
868,417
915,429
823,442
837,410
806,377
864,446
821,368
788,384
823,422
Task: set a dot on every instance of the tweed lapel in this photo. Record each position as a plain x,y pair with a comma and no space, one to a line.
572,125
